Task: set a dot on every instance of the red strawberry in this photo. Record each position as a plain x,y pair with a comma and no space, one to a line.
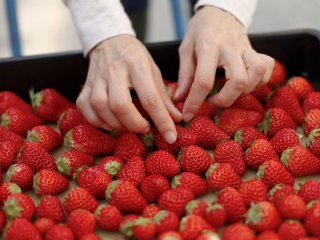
274,120
268,235
292,207
152,186
43,224
19,205
300,161
88,139
196,207
175,200
171,87
185,137
69,119
190,180
129,145
248,102
263,216
7,135
216,215
237,231
232,119
279,191
2,220
49,182
300,86
278,76
45,135
8,153
59,232
21,228
19,121
208,235
208,134
133,170
259,152
125,196
221,175
81,222
291,230
150,211
111,164
6,189
311,121
48,104
262,92
108,217
148,139
126,225
71,160
253,191
272,172
310,190
36,157
191,227
144,229
50,207
311,101
20,174
166,221
79,198
312,218
94,179
284,139
172,235
194,159
205,110
247,135
9,99
163,163
233,203
91,236
313,142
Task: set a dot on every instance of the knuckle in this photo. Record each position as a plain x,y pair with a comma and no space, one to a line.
149,102
260,69
112,66
205,83
98,103
118,106
241,83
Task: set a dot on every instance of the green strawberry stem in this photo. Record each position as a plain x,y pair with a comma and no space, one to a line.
63,165
211,169
36,98
67,141
260,172
32,136
112,168
285,157
10,172
314,133
238,136
159,216
5,120
175,181
12,208
254,214
264,126
112,186
36,183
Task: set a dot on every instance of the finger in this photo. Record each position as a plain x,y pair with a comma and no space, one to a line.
270,65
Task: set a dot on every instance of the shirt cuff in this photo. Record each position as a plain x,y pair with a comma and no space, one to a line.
242,9
97,20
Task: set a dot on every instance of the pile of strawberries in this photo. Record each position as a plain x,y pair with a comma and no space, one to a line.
237,173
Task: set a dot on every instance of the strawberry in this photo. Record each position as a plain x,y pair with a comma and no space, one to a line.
49,182
232,119
190,180
19,205
152,186
36,157
172,235
208,134
163,163
311,101
191,227
247,135
260,151
171,87
69,119
300,85
43,224
175,200
253,191
274,120
88,139
268,235
8,153
150,211
279,191
233,203
215,215
208,235
94,179
2,220
286,99
133,170
7,135
272,172
21,228
313,142
221,175
19,121
206,109
291,230
194,159
292,207
71,160
20,174
50,207
185,137
79,198
247,101
9,99
144,229
128,145
311,121
261,92
237,231
48,104
300,161
45,135
59,232
81,222
278,76
166,221
312,218
148,139
111,164
108,217
196,207
263,216
284,139
91,236
231,152
6,189
126,225
310,190
125,196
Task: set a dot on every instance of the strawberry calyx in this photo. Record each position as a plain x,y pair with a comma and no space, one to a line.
254,216
14,188
175,181
12,208
36,98
312,203
67,141
141,221
111,187
63,165
193,204
112,168
35,183
11,171
32,136
211,169
160,216
126,228
264,126
5,120
238,136
148,140
214,207
274,189
285,157
313,134
260,172
99,209
77,171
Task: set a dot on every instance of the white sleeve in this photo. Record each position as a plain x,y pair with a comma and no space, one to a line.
97,20
241,9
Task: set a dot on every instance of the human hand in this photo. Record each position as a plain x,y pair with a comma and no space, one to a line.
117,65
215,38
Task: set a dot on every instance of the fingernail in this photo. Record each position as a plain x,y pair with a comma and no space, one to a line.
106,127
187,116
147,129
170,137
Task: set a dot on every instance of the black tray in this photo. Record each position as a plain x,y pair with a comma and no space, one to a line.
298,50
